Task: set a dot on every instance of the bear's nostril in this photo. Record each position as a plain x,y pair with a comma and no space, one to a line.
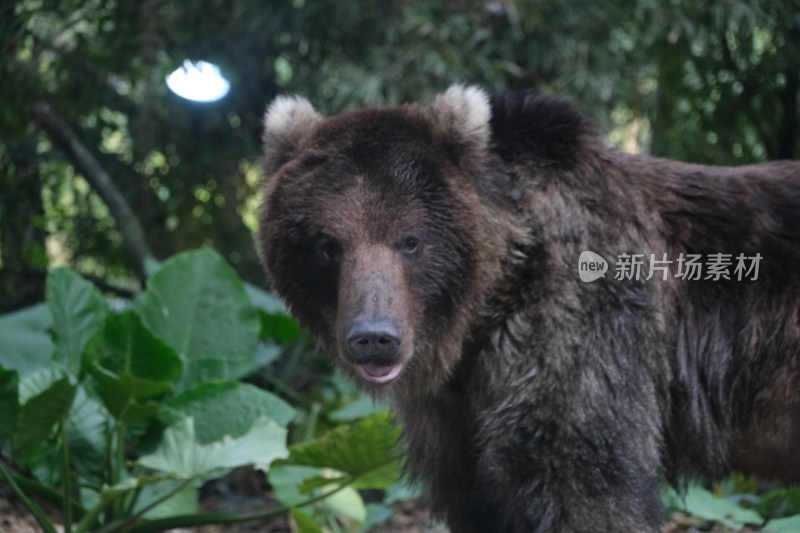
373,341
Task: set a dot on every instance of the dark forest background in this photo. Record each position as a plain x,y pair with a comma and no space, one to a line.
102,167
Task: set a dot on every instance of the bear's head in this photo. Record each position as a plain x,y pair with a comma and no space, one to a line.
374,232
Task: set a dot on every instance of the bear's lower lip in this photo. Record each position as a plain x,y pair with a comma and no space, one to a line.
378,373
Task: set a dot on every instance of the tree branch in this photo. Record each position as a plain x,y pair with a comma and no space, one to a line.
128,224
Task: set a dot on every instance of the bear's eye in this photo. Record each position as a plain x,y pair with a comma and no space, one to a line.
328,250
410,245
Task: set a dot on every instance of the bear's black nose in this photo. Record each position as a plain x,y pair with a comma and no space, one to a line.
373,341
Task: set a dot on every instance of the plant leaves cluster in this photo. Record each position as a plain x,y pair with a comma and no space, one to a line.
735,505
80,383
119,413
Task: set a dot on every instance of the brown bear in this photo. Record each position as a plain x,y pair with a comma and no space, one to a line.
559,326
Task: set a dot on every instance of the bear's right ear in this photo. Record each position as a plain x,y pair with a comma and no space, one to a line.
288,121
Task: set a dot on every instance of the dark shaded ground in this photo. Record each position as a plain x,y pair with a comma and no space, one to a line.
243,491
410,517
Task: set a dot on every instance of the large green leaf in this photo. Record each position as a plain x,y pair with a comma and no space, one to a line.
25,342
304,523
38,381
130,367
701,503
276,322
346,502
266,353
790,524
39,414
78,311
225,408
87,436
9,403
365,451
181,455
198,305
780,502
286,480
288,483
184,502
363,406
265,301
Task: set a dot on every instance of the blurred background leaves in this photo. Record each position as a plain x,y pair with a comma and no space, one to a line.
713,82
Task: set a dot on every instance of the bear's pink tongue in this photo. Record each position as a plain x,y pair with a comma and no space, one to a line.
379,374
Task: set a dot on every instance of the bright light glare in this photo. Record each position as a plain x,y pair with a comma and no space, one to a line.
201,82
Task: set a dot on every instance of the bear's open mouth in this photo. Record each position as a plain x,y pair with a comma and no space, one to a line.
379,373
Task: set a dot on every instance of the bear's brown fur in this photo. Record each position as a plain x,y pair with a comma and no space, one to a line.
433,251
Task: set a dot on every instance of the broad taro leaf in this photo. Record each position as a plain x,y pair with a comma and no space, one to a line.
131,367
78,310
39,414
702,503
289,485
225,408
365,451
789,524
181,455
198,305
184,502
25,342
87,436
276,322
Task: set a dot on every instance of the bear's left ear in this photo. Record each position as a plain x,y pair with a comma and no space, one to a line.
289,120
461,115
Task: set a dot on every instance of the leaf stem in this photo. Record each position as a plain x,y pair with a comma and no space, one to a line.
67,475
118,462
92,514
53,497
201,519
136,517
36,511
311,424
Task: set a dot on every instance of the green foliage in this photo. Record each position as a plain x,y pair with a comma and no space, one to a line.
783,525
225,408
26,342
364,452
361,455
703,81
780,503
39,415
9,403
181,455
78,311
703,504
197,304
736,503
161,376
131,368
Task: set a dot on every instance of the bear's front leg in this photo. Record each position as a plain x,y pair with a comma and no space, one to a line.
440,453
561,471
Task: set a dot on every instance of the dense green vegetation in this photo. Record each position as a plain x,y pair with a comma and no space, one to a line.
706,82
105,387
81,385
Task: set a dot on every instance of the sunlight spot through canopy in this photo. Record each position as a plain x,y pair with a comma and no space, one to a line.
200,82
